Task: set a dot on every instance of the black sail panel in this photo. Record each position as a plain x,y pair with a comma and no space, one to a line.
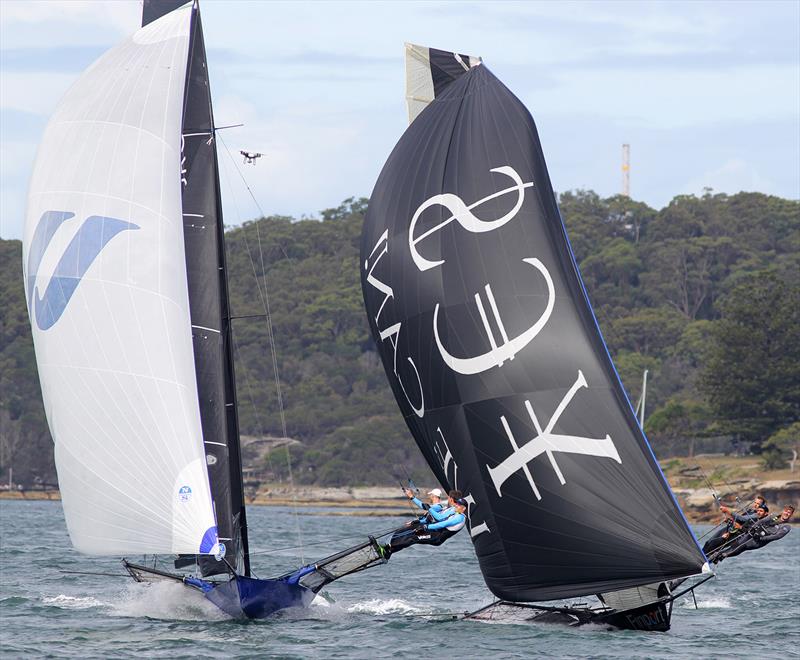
446,67
495,358
208,303
155,9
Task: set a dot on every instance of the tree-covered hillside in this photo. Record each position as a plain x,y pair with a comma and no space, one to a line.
704,293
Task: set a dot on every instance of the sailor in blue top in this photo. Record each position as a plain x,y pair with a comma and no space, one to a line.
446,523
435,504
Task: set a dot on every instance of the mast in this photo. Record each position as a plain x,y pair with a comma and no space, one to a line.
231,405
206,271
208,299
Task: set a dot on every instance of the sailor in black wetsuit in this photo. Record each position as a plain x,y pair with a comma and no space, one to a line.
766,530
446,523
734,524
739,525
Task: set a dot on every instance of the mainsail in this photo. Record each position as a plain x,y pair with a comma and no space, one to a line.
492,350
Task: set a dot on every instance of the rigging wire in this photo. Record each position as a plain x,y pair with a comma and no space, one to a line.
740,507
259,425
252,196
236,349
410,485
731,488
264,296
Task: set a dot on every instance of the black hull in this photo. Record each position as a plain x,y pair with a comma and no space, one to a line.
653,617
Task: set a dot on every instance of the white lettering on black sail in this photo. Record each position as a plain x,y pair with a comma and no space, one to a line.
385,289
446,459
474,530
462,214
546,442
507,348
392,333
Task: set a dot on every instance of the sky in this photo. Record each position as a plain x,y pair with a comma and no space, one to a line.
706,93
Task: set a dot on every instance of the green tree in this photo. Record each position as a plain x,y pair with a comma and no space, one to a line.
616,261
25,445
782,447
752,377
658,281
685,273
675,427
648,331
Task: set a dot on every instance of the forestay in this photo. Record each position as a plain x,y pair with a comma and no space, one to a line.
107,293
489,342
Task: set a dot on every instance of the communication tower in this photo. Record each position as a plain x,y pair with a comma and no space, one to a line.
626,170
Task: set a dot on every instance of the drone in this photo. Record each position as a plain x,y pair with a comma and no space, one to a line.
250,157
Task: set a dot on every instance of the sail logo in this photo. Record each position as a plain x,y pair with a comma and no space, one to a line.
184,493
87,243
498,354
549,443
462,214
392,333
501,347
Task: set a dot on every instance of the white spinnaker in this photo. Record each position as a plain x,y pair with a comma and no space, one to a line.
115,362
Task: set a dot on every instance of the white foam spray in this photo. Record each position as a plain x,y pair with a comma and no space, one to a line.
378,606
72,602
166,600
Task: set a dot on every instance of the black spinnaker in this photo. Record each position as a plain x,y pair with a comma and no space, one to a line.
492,350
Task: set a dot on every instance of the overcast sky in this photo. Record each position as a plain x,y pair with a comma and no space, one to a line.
706,93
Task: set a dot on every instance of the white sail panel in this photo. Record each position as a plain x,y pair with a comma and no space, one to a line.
419,82
105,279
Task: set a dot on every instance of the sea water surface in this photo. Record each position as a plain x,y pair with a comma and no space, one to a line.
751,609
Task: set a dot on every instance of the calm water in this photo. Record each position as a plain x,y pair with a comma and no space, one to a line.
752,609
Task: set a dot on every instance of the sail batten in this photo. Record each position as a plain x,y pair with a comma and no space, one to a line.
490,345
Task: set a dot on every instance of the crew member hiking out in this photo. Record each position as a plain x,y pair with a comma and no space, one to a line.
735,523
764,531
434,495
446,523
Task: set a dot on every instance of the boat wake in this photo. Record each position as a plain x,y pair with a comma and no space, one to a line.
72,602
166,600
718,603
380,606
